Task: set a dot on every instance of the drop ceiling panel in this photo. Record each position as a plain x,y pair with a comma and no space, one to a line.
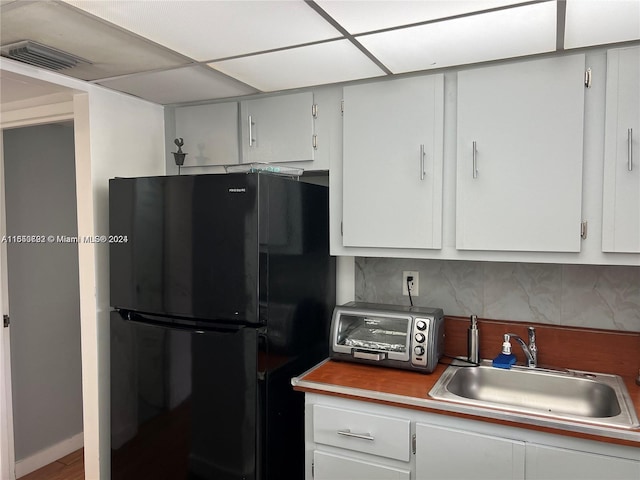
359,17
181,85
331,62
15,88
110,50
210,30
597,22
502,34
148,48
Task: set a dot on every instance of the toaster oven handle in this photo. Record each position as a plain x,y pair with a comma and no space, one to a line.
369,356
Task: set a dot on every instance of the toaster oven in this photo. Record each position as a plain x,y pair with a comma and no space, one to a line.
411,338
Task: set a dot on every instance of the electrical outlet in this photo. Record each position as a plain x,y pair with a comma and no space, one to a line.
414,284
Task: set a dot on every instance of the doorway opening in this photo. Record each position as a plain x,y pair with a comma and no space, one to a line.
43,293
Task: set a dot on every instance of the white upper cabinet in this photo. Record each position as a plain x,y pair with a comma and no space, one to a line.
393,163
520,156
210,134
278,128
621,188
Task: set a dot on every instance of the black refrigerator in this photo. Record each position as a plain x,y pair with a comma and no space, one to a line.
222,289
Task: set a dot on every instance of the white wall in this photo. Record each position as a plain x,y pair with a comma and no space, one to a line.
115,135
126,138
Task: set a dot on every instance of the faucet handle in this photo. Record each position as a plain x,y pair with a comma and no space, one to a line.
533,348
532,335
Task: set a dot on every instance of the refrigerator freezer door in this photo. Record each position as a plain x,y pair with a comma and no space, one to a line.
186,246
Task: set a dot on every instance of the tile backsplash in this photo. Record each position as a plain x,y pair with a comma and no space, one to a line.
595,296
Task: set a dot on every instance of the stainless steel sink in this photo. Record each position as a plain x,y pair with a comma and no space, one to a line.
573,395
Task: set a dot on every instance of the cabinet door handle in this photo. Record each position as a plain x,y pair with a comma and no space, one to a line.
422,172
363,436
630,149
475,160
251,124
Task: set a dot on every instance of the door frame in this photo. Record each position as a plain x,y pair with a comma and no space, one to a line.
45,114
7,451
96,114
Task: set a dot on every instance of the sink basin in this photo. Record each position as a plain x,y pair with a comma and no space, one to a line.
574,395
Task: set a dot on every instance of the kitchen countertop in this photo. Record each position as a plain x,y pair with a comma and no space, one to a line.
408,389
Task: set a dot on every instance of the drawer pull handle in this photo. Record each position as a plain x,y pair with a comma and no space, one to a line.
363,436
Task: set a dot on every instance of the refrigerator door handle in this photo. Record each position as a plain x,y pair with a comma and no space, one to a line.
179,324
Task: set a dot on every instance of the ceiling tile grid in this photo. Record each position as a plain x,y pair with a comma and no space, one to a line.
368,16
596,22
319,64
173,52
210,30
499,34
188,84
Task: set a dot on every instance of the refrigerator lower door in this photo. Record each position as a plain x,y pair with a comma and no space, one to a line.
185,404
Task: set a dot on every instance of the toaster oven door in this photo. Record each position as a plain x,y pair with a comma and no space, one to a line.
373,337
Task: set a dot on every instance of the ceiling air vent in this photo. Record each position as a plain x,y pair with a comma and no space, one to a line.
40,55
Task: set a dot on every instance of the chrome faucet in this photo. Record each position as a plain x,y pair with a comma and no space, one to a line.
531,350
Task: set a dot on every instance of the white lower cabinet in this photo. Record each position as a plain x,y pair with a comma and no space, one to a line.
553,463
450,454
329,466
346,442
359,440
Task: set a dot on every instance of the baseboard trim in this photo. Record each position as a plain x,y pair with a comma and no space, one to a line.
49,455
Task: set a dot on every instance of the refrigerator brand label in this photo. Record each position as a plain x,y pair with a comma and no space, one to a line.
237,190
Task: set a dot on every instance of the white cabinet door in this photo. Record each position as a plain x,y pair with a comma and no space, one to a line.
519,156
553,463
328,466
621,188
392,163
278,129
449,454
210,134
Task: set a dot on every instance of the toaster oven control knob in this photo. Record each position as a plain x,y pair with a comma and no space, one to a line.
421,325
420,338
419,350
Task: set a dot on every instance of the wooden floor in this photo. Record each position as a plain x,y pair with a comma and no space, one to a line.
70,467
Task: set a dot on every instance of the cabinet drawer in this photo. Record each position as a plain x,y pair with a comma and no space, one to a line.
367,433
336,467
